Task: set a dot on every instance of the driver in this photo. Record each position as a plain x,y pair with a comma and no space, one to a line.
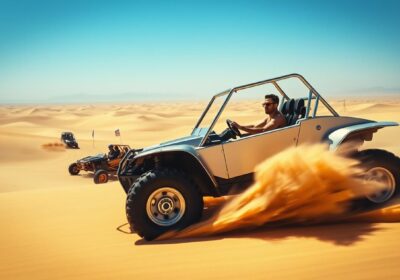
112,153
275,119
117,151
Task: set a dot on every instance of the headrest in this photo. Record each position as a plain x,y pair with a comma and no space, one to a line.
283,111
303,111
299,104
289,108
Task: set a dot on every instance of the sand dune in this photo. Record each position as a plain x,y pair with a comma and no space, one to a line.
122,113
59,226
20,124
377,108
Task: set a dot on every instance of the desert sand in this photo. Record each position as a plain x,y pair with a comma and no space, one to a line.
57,226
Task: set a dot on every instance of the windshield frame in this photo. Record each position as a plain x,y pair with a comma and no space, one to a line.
199,131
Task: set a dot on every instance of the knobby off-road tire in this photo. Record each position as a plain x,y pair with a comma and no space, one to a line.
381,166
100,177
73,169
162,200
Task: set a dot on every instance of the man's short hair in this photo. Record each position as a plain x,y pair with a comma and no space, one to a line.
274,98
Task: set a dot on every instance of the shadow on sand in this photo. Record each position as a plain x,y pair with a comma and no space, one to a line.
90,175
355,227
338,233
343,234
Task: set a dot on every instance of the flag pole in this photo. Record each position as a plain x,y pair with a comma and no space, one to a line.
93,138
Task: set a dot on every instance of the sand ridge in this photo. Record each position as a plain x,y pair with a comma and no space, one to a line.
59,226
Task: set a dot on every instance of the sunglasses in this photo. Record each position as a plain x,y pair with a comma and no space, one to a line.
267,104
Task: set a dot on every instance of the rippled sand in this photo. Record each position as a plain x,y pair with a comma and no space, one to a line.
57,226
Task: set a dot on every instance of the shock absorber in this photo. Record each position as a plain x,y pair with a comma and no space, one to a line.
156,162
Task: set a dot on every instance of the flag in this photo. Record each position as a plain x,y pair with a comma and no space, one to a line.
117,132
93,133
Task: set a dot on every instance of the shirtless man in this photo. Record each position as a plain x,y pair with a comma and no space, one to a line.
274,119
113,152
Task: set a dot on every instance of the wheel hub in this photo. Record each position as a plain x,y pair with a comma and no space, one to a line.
102,178
386,179
165,206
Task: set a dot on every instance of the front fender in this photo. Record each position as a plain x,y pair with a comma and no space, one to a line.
133,164
190,150
337,137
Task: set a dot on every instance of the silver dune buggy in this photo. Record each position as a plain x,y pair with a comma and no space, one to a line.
165,184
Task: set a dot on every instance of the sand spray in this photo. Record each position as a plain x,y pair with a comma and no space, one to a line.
302,185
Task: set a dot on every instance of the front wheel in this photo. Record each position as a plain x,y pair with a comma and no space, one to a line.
162,200
382,167
100,177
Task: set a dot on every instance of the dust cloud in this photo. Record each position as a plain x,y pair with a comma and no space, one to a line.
302,185
54,147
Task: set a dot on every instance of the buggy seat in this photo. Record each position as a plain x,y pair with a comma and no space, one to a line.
293,110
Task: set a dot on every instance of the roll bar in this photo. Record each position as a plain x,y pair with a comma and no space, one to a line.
273,81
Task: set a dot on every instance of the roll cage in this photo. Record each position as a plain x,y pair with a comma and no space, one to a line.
312,94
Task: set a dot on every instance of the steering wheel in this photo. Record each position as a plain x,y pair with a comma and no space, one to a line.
234,129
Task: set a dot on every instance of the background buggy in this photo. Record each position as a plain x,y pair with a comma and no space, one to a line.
100,165
69,140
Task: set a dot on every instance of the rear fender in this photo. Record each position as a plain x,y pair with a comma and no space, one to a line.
358,133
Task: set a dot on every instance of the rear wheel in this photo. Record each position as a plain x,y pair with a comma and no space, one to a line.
100,177
73,169
382,167
162,200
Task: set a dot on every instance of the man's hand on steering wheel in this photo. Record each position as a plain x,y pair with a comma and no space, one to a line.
233,127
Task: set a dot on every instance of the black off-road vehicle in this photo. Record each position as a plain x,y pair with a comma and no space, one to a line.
101,165
69,140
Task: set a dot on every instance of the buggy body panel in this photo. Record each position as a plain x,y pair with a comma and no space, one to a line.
244,154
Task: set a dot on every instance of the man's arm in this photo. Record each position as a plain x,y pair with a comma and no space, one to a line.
261,124
248,126
272,124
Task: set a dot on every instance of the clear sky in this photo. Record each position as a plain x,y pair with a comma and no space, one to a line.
168,49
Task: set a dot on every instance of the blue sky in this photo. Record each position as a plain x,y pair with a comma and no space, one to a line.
51,50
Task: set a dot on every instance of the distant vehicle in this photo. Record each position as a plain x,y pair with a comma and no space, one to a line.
69,140
100,165
165,184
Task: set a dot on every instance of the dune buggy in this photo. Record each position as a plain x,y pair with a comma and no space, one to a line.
165,183
69,140
100,165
